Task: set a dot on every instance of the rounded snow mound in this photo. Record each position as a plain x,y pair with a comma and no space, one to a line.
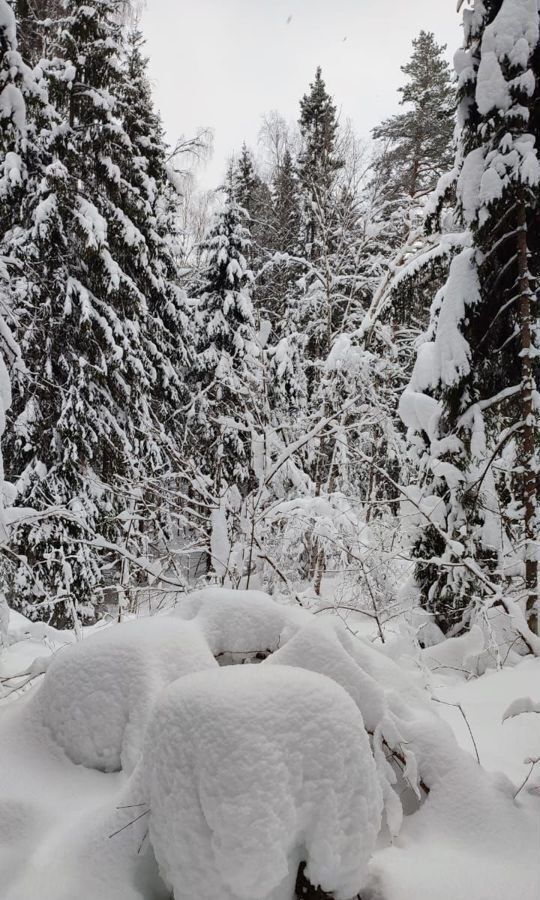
324,646
98,695
251,770
411,746
240,625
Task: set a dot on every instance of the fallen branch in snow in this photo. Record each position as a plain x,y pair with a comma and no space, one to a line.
261,654
395,754
5,694
131,806
145,835
38,667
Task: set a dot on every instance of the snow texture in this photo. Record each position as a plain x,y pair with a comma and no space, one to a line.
468,839
220,547
7,22
520,706
98,695
253,769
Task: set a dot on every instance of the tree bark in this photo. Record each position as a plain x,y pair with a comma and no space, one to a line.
527,442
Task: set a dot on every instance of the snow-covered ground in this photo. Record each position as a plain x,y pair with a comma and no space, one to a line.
243,772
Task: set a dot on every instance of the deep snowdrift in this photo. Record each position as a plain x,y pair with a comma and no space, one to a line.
262,743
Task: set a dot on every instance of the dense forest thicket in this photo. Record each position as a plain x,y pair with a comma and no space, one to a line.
319,379
269,476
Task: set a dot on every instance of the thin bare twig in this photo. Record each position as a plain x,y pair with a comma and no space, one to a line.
533,763
459,706
136,819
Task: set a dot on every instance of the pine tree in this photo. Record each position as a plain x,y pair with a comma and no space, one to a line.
417,143
415,153
470,403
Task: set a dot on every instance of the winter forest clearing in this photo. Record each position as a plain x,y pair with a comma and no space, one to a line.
269,499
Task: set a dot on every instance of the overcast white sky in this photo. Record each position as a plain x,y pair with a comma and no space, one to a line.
224,63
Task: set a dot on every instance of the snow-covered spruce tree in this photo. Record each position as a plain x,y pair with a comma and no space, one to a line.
317,167
285,208
148,199
249,191
223,380
252,194
318,161
90,299
471,405
15,82
24,110
283,272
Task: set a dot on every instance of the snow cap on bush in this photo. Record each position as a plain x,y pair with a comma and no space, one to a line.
98,695
253,769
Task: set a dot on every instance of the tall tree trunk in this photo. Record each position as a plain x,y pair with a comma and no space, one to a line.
527,443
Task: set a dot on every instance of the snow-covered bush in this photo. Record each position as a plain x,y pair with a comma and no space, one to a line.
98,695
250,771
240,625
